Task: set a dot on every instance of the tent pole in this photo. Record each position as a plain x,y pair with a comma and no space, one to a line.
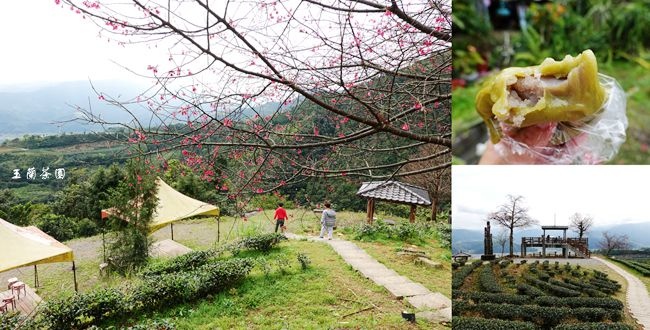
218,228
74,274
36,276
172,227
104,243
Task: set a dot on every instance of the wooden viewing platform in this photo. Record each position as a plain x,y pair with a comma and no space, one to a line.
27,302
579,246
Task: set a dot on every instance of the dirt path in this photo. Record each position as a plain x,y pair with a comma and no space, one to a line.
637,295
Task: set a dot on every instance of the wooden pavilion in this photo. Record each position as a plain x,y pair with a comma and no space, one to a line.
394,192
579,246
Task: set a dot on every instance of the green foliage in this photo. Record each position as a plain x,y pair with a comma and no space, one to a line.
541,315
270,202
474,323
553,289
487,281
304,260
639,267
404,231
133,203
60,227
263,242
186,262
595,326
611,28
153,325
443,234
10,321
83,309
152,294
529,290
459,276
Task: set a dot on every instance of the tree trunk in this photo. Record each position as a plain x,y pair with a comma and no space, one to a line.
511,239
434,209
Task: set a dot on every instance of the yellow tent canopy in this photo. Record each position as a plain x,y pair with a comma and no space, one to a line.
26,246
173,206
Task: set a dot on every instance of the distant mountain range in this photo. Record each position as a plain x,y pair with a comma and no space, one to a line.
48,108
43,109
471,241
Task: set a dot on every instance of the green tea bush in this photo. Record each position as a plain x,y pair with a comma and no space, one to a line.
595,326
529,290
263,242
497,298
564,284
541,315
553,289
153,293
10,321
487,281
304,260
473,323
84,309
458,277
606,303
186,262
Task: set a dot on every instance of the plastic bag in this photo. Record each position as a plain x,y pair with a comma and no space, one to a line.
593,140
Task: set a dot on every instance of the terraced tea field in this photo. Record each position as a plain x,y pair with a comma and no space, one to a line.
640,265
535,295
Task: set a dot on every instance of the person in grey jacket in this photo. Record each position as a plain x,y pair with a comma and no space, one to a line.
327,221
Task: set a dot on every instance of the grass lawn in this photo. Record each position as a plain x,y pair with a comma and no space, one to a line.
634,79
436,280
330,294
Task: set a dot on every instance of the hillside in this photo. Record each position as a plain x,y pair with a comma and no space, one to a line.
471,241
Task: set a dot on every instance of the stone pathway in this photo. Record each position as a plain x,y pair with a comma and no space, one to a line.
431,305
637,295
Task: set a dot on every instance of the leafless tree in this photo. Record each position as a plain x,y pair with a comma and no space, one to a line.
501,238
610,242
288,90
438,183
511,215
581,223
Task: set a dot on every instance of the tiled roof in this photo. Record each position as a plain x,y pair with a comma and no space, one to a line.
395,192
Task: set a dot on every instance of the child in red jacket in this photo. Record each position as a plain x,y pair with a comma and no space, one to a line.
280,216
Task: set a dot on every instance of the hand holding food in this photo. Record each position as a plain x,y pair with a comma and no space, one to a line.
582,112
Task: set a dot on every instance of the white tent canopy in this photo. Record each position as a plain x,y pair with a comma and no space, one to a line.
173,206
26,246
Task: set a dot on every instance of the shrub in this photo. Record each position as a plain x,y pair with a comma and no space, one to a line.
529,290
10,321
163,290
607,303
186,262
472,323
263,242
487,281
553,289
304,260
458,277
84,309
497,298
595,326
155,292
541,315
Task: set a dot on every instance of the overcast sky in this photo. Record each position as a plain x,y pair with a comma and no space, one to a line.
43,42
611,194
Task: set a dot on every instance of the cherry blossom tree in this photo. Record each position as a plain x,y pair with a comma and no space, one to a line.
256,95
